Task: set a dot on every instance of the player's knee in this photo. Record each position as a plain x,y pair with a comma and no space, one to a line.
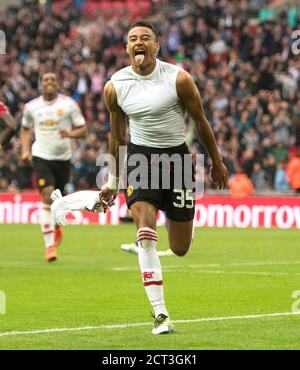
181,250
144,216
180,253
138,214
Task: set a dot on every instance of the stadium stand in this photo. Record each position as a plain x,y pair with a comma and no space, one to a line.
244,67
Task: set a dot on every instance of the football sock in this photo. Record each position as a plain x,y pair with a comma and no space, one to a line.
151,269
47,225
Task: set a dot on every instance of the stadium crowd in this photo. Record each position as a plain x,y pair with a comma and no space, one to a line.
246,72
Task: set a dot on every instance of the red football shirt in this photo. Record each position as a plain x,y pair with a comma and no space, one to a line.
3,109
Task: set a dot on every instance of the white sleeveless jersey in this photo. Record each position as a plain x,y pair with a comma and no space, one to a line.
48,118
156,115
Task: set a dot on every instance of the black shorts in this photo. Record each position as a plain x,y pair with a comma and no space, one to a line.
52,173
164,191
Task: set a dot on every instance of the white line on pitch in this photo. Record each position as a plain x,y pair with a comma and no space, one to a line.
258,263
131,325
207,265
222,272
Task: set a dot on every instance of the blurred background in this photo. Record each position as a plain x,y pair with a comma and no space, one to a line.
238,52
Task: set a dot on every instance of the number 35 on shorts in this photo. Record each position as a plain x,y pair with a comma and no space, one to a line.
183,199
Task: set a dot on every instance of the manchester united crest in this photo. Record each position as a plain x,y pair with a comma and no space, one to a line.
129,190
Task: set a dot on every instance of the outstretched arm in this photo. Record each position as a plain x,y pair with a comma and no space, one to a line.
189,95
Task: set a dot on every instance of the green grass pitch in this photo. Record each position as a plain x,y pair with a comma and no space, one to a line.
228,272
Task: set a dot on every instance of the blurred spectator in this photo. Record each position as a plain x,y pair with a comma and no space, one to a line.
240,185
293,172
247,161
269,166
281,183
4,184
282,127
251,139
258,177
279,152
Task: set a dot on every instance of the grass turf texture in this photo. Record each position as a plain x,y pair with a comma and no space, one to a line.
84,288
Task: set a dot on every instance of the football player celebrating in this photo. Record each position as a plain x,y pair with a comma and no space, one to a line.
153,96
56,119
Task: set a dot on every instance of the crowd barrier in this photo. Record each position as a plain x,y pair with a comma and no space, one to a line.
212,211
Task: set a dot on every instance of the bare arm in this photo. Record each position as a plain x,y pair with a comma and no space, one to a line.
10,129
189,95
118,124
25,137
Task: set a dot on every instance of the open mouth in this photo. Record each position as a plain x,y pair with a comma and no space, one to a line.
139,52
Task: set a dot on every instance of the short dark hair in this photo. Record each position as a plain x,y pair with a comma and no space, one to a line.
146,25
